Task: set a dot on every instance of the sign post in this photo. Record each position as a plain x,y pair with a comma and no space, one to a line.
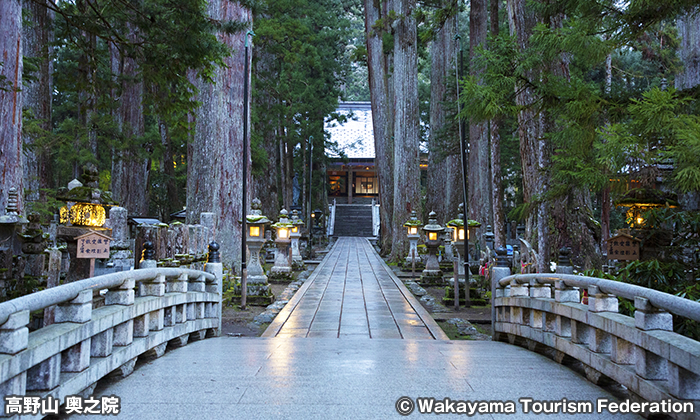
93,245
623,247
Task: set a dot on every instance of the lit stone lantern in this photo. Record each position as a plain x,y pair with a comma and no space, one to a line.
255,239
458,236
85,212
412,229
283,227
297,261
433,236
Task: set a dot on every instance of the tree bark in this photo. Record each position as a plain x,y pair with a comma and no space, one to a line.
441,186
37,97
129,167
168,167
499,225
479,169
11,102
689,51
382,122
215,169
230,193
266,185
521,22
406,124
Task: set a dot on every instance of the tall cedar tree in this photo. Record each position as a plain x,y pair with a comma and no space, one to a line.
298,57
11,173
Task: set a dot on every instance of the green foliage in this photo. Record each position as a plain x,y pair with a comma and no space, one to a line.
91,46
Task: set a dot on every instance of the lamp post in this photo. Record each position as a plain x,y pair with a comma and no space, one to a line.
246,105
255,238
433,236
458,240
295,234
282,268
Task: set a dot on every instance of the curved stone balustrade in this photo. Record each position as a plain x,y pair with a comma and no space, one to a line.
144,310
641,353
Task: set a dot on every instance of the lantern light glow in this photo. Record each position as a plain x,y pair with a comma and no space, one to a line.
432,236
83,214
255,231
283,233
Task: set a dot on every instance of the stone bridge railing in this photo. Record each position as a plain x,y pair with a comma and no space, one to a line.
143,311
544,312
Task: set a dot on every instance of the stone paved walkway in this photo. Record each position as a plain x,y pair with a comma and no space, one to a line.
302,370
352,294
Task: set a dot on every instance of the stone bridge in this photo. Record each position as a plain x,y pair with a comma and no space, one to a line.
352,343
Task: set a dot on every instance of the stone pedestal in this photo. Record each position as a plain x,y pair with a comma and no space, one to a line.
413,249
256,282
432,273
282,267
459,254
297,260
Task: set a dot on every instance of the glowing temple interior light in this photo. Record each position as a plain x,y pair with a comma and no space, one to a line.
255,231
83,214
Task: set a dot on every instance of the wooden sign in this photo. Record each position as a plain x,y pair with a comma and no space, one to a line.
93,245
623,247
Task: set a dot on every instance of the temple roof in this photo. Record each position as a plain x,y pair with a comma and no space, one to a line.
356,136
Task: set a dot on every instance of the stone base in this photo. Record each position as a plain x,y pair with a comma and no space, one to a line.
431,280
474,296
254,300
280,278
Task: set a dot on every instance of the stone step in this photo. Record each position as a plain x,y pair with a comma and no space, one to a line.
352,220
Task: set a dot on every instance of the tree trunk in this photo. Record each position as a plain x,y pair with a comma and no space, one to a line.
406,124
521,22
479,169
440,184
572,215
37,97
499,222
266,185
11,172
215,169
167,166
382,122
689,51
129,168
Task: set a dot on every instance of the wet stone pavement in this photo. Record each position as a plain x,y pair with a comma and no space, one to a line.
353,343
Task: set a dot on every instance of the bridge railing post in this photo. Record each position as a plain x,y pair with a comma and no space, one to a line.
215,267
14,337
500,271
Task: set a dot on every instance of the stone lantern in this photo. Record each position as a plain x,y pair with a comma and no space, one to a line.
458,237
84,212
433,236
283,267
412,229
255,239
295,234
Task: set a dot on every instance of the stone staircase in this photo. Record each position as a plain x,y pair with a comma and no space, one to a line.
353,220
